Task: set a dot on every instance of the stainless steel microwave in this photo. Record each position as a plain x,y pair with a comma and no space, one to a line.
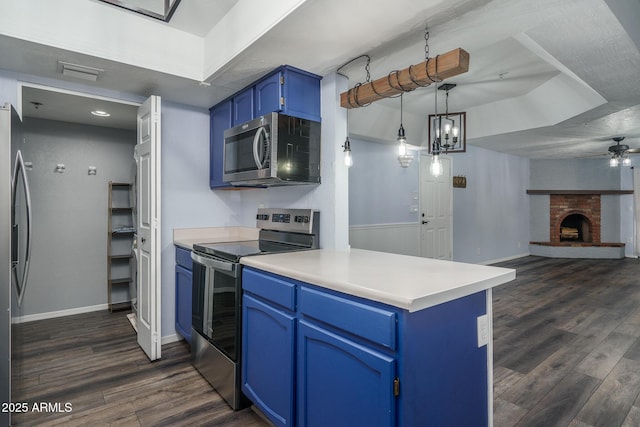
270,150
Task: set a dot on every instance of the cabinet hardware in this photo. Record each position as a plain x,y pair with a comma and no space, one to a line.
282,100
396,387
281,80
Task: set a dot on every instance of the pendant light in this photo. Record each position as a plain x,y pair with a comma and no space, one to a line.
435,168
348,160
403,156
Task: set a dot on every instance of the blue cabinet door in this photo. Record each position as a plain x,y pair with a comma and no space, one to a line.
184,279
268,94
341,383
301,94
268,355
243,106
220,120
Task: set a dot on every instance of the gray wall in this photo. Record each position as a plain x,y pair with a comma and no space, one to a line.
381,191
577,174
69,252
490,216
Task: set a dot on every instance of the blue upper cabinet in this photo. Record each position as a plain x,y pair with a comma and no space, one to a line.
286,89
289,90
220,119
243,106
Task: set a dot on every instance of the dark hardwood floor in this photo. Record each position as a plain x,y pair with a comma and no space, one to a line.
92,361
566,353
566,343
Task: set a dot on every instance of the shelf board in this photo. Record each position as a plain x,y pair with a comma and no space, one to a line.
123,209
122,233
121,257
121,281
117,306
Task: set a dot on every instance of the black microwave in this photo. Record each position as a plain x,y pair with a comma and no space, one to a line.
271,150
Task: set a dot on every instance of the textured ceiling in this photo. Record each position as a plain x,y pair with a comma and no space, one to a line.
547,78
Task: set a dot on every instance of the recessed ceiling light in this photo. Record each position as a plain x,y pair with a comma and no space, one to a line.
100,113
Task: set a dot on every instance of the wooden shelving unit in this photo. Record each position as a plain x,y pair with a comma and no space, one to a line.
120,233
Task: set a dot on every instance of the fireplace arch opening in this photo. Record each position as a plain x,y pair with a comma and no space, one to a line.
575,228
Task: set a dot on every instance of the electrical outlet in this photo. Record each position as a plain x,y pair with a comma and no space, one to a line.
483,330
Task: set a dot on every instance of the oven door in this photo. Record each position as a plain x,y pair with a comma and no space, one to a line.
216,303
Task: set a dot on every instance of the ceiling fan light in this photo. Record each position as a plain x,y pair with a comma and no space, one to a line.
626,161
613,162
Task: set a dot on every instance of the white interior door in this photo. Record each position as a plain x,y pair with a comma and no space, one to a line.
148,227
436,212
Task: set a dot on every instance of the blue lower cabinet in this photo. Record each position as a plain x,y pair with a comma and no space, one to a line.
316,357
341,383
268,359
183,302
184,282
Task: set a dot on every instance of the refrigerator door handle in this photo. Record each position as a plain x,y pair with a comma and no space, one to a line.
19,170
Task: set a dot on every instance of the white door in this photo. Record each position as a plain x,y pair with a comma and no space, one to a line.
148,227
436,213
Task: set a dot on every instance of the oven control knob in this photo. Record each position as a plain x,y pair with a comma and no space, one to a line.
262,217
302,218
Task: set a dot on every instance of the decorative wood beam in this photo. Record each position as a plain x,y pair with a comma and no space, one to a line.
449,64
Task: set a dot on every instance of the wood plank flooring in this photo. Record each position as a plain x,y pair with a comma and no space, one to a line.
92,361
567,343
566,353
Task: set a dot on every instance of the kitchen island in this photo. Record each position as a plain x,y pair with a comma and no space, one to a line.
368,338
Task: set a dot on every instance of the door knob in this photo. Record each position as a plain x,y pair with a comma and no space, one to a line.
425,222
142,239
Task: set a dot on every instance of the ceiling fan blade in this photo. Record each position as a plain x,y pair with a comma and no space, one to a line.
633,150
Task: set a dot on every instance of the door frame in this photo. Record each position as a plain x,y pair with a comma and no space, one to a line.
22,84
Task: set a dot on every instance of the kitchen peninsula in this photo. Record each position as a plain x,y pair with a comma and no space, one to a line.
368,338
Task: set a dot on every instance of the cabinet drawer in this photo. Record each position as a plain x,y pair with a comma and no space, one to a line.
272,288
361,320
183,258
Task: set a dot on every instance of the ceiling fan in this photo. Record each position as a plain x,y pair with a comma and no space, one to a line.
620,152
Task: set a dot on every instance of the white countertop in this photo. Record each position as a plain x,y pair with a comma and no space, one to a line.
186,237
408,282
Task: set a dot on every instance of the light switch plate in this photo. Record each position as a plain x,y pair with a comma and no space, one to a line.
483,330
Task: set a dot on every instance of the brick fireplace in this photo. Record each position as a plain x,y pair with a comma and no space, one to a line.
574,211
575,226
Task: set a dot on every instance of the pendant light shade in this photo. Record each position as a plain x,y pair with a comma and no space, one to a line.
348,160
436,166
404,157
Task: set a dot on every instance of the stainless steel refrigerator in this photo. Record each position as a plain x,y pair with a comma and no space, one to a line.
15,246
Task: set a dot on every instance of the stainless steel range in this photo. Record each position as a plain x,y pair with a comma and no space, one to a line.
217,293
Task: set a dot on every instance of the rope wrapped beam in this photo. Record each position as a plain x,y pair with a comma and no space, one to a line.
452,63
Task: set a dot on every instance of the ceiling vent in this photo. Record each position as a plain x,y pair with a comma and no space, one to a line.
79,71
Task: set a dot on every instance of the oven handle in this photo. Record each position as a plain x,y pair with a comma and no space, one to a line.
215,264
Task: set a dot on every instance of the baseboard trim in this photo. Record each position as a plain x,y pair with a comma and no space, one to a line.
59,313
509,258
171,338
